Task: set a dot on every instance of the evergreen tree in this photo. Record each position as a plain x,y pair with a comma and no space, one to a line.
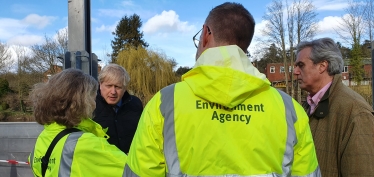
366,49
346,52
272,55
182,70
357,69
127,35
4,87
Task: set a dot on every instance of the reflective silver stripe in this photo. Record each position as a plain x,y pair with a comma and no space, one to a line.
68,153
32,160
291,134
128,172
66,156
231,175
32,157
316,173
170,146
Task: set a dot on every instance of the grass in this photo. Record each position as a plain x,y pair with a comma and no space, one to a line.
15,116
365,91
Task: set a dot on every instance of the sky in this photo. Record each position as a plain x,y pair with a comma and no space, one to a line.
168,25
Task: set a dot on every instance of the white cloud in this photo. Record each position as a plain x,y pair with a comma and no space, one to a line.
63,32
127,3
259,28
9,27
329,24
103,28
38,21
166,22
333,6
112,13
95,20
26,40
328,5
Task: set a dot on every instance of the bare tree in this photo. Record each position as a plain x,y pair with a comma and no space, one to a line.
5,58
62,43
291,15
275,30
21,56
306,28
306,20
351,30
46,57
300,23
105,55
369,18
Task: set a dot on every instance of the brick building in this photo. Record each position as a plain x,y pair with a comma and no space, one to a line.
275,72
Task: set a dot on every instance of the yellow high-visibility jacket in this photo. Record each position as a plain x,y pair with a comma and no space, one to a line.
223,119
78,154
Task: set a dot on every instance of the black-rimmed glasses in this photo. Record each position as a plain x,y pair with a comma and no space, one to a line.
196,41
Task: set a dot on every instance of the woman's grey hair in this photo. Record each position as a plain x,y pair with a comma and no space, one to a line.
66,98
114,72
324,49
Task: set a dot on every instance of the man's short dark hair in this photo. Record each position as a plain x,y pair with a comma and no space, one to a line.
231,24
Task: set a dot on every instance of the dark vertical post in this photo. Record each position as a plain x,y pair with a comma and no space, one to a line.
372,73
87,17
79,24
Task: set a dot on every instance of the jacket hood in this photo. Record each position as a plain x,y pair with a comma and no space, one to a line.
224,75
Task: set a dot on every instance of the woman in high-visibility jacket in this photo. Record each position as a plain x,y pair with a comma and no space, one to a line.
67,100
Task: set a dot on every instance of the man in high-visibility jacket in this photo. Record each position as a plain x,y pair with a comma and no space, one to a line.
223,119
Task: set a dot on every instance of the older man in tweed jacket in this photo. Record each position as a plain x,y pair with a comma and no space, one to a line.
341,121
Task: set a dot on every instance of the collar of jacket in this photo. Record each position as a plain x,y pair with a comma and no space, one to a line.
86,125
224,75
322,109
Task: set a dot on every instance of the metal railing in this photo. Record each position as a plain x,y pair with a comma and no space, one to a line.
17,140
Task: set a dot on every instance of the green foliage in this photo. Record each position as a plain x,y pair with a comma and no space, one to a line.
24,89
4,106
4,87
272,55
127,35
366,49
181,70
357,69
149,70
346,52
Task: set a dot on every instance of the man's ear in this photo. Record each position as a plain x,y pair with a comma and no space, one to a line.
323,66
206,35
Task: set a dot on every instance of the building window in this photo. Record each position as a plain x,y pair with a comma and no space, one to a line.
282,69
345,69
290,69
272,69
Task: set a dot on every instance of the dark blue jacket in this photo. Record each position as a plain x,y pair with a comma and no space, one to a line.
121,125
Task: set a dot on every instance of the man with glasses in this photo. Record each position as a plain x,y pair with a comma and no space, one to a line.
341,121
223,119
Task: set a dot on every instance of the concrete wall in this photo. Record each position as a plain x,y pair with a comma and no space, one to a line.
17,140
